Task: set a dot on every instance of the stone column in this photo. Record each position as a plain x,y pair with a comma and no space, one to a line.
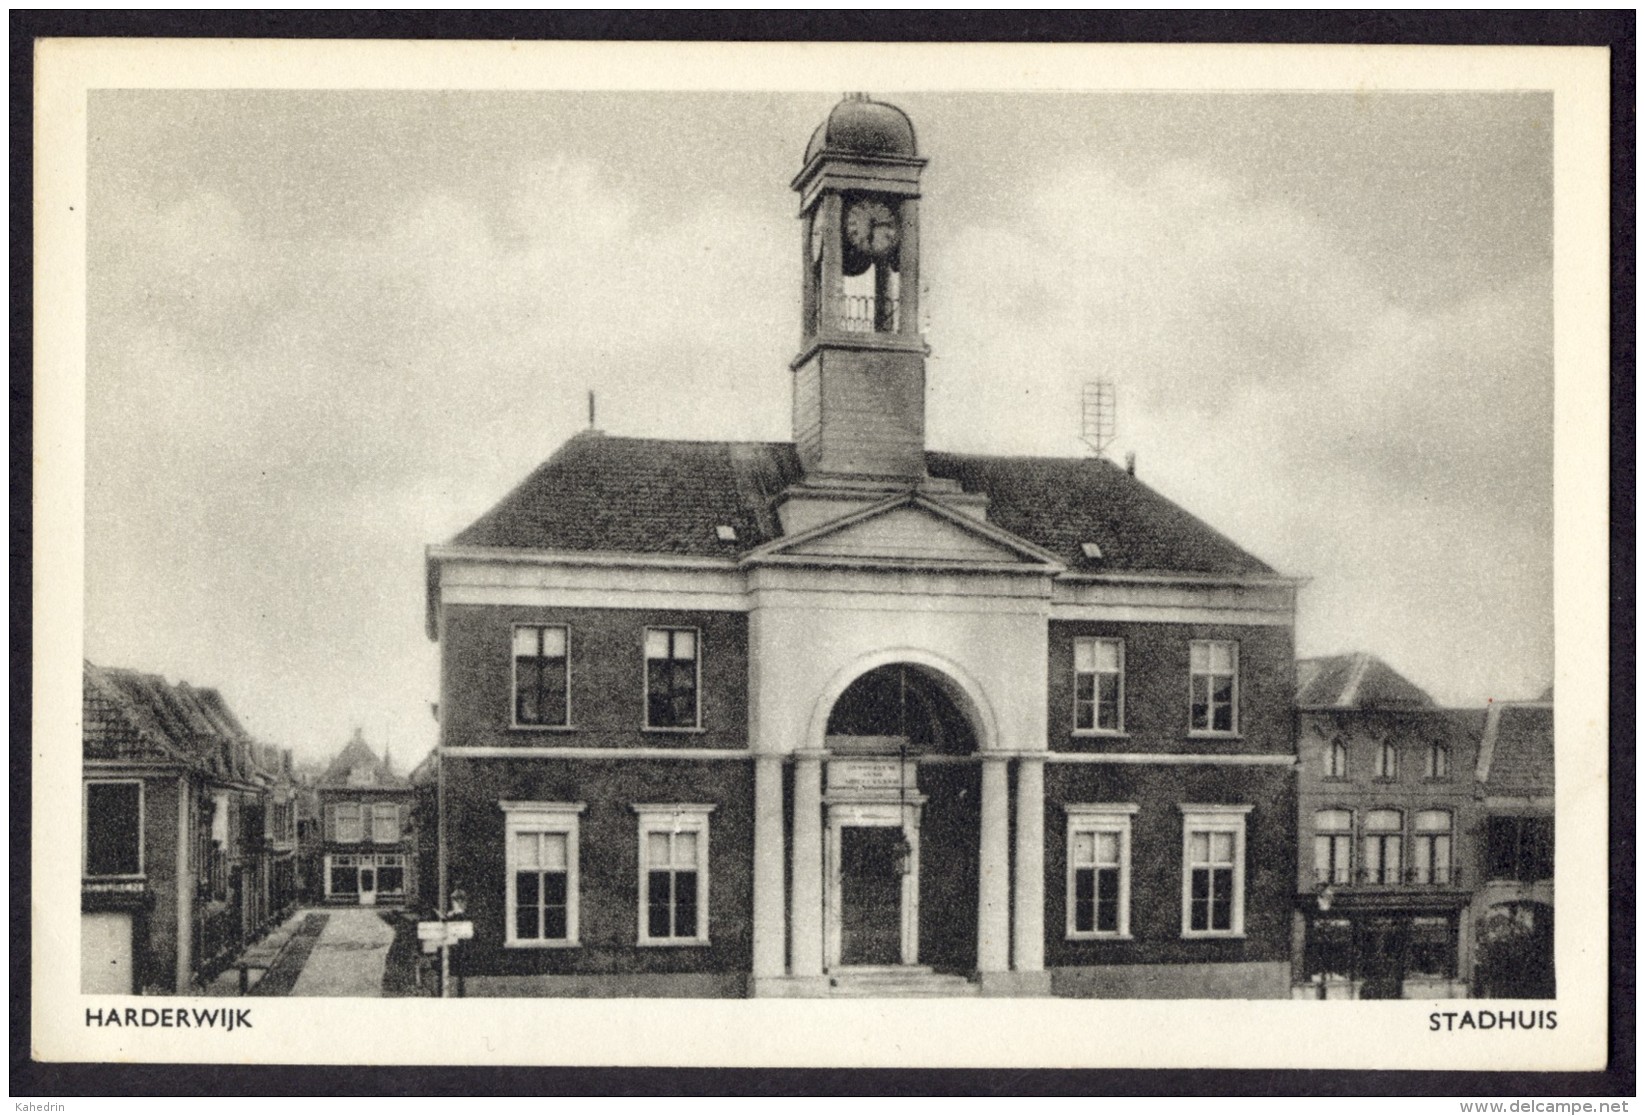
1028,896
768,866
994,882
805,922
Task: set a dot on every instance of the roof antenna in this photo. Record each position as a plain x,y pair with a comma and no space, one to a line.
1097,413
591,410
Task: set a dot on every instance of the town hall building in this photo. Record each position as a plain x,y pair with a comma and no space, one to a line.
849,715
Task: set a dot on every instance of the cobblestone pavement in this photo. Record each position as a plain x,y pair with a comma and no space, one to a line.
349,957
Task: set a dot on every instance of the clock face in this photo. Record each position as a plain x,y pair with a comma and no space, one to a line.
871,227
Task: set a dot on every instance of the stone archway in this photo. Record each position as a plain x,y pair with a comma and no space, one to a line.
902,806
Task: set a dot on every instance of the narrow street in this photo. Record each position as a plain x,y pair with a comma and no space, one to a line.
361,952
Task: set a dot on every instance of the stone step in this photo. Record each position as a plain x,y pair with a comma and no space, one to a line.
898,981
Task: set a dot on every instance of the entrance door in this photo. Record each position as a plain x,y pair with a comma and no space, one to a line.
870,895
1382,959
105,953
368,887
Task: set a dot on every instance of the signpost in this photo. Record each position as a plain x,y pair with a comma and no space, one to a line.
443,933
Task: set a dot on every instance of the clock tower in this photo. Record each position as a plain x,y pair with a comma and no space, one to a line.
859,378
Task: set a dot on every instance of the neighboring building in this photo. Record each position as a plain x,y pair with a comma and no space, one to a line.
1513,907
1387,829
847,715
187,846
366,853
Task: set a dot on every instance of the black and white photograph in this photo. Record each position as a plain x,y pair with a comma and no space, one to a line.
1111,536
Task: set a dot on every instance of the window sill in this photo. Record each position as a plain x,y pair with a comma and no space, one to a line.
543,728
673,943
1101,734
1215,734
1212,935
666,728
543,945
1077,937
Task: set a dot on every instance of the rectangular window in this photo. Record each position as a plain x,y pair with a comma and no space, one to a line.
391,874
114,829
1333,846
541,882
1213,871
1387,761
1431,847
347,826
1099,685
1099,870
1384,841
385,823
345,876
1213,678
1432,952
1519,848
1336,759
671,660
673,874
542,680
1439,762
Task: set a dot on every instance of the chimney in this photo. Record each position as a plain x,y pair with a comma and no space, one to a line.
1131,464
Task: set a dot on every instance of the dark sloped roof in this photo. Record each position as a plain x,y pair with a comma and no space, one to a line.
131,715
651,496
357,754
1519,756
1355,681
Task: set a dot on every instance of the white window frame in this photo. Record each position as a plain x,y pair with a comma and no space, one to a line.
645,695
514,680
542,817
1331,747
85,829
1119,696
1200,818
337,823
1233,695
1093,818
392,810
673,818
1380,835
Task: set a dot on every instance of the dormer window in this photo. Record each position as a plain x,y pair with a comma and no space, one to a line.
1091,550
725,533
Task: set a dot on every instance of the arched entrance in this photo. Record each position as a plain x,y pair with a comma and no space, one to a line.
901,854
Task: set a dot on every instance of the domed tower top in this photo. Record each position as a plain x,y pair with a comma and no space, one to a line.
860,126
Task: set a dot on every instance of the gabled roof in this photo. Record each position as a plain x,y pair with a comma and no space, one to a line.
1355,681
130,715
1516,753
654,496
357,755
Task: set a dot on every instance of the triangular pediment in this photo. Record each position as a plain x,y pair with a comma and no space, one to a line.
908,530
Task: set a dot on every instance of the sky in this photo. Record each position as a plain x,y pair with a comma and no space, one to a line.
327,329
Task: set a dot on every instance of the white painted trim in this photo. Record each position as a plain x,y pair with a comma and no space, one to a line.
441,552
527,752
542,817
1222,759
954,679
1172,614
1041,561
614,596
850,810
1096,817
1118,578
678,818
1220,819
